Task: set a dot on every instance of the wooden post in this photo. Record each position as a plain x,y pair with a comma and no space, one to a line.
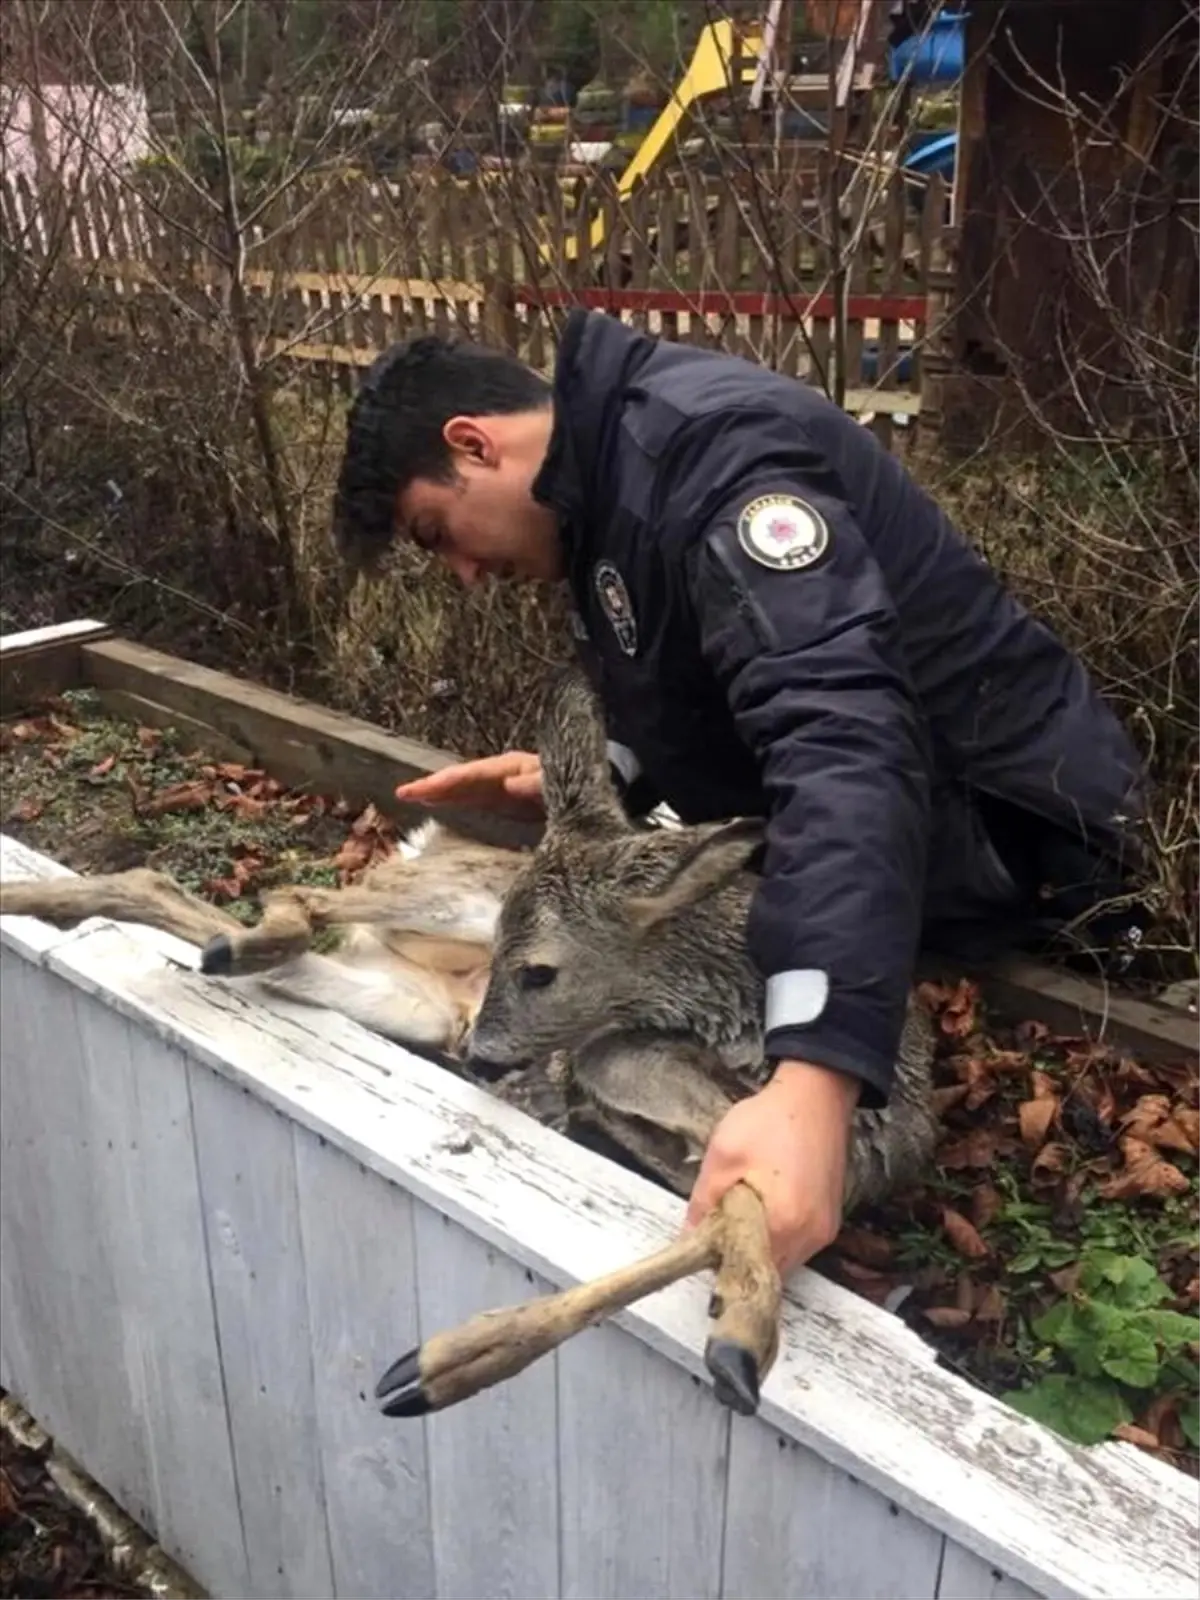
501,325
42,662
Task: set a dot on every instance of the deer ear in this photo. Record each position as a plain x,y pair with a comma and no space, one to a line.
717,858
577,786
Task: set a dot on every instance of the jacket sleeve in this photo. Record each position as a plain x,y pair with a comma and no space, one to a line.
795,620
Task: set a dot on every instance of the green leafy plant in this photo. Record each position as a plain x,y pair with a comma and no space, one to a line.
1119,1343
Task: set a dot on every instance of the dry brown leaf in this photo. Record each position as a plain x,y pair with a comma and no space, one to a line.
965,1292
28,810
1050,1160
1035,1118
149,738
978,1148
1134,1435
872,1249
353,857
991,1305
958,1018
243,805
985,1204
1161,1420
976,1075
191,796
367,821
1007,1061
943,1100
1130,1071
946,1316
102,768
1151,1119
1189,1121
1044,1086
1066,1279
1145,1174
963,1235
1192,1292
1104,1104
1031,1033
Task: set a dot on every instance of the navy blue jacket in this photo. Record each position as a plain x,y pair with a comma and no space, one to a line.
781,623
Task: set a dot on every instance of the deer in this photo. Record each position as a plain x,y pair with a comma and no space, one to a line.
617,947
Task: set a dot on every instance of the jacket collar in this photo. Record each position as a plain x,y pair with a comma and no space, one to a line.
597,356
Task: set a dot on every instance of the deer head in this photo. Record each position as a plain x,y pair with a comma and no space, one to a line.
611,927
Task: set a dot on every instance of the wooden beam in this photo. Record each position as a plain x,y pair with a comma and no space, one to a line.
1022,990
41,662
726,303
299,743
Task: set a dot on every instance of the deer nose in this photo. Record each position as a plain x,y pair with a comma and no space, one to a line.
489,1057
492,1071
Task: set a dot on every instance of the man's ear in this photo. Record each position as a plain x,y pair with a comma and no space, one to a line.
717,858
466,436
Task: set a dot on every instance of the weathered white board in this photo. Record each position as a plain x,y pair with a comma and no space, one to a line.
356,1232
606,1469
645,1464
795,1527
493,1461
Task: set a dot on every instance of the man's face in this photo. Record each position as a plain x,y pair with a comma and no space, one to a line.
486,523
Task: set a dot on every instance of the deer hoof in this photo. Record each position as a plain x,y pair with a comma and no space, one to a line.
734,1374
216,959
399,1391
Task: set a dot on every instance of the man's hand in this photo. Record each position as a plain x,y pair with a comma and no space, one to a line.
511,783
788,1142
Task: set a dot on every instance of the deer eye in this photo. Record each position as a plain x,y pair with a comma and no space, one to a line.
535,977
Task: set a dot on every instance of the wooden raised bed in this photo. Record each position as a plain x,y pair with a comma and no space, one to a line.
309,746
222,1216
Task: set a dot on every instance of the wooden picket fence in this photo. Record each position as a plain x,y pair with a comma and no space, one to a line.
335,269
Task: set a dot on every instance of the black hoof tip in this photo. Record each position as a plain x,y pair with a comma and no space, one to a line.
734,1374
216,959
399,1390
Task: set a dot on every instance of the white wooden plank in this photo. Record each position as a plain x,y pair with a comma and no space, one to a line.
643,1459
966,1577
361,1276
59,1265
851,1382
26,1293
150,1216
55,633
797,1526
121,1365
493,1461
252,1223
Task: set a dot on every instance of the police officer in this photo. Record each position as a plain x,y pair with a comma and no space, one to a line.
778,621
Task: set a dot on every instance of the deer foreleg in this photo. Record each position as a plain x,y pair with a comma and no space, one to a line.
141,895
452,1366
292,916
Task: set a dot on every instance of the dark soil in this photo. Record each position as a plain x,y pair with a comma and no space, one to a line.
47,1547
1056,1156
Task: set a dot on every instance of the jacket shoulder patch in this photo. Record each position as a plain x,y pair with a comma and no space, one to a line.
782,532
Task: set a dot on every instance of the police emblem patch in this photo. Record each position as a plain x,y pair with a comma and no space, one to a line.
782,532
616,604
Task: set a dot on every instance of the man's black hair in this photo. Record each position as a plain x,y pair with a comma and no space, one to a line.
394,431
